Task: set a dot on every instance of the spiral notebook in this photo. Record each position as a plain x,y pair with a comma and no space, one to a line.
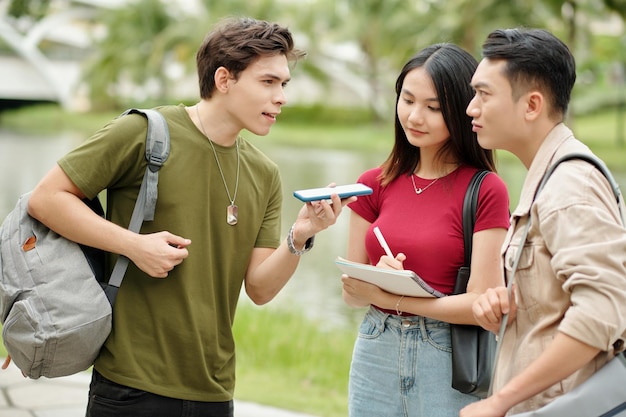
401,282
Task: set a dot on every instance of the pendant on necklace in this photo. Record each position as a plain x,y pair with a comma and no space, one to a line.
420,190
231,214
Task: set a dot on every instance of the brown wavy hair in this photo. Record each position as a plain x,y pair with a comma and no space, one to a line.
237,42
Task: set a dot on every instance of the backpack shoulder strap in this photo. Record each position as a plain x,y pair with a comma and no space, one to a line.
157,152
599,164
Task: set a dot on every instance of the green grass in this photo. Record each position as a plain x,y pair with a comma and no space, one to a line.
285,360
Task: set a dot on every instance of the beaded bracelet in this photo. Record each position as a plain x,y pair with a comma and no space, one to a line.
307,246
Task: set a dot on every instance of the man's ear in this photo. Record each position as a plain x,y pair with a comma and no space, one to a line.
221,78
535,104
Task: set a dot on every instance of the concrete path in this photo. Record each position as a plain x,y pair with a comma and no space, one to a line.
67,397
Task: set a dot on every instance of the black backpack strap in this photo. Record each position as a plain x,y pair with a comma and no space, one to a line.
595,161
157,152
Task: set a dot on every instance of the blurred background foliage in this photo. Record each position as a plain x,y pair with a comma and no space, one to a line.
144,50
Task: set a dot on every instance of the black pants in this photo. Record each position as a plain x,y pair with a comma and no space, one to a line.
108,399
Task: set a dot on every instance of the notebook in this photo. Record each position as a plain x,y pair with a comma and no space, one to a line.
401,282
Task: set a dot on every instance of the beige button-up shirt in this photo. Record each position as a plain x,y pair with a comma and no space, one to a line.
571,276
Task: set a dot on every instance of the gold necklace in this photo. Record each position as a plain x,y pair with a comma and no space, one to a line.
420,190
232,210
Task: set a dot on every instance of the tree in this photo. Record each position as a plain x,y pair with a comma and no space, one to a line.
146,39
128,62
35,9
361,45
618,6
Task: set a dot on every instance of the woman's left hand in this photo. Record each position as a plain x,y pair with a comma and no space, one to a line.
361,291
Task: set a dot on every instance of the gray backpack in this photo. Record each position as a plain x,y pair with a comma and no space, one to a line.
55,304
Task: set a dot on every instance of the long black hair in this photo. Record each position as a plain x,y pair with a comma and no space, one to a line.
451,69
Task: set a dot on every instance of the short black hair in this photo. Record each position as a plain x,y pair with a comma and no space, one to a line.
535,58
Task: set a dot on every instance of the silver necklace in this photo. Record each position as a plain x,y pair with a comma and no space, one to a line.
420,190
232,210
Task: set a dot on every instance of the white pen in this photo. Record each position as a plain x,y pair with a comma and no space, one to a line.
383,242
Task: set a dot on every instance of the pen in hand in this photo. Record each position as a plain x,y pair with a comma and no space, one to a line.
383,242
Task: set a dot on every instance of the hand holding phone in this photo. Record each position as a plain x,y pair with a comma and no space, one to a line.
324,193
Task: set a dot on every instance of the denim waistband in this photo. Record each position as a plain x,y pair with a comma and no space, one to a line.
394,320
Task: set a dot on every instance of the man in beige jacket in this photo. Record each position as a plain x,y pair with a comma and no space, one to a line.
568,314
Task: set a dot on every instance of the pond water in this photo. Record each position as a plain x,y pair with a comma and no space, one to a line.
315,289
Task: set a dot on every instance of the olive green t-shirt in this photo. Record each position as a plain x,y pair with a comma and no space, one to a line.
173,336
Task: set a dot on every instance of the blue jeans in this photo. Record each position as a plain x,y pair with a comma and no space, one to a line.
402,367
109,399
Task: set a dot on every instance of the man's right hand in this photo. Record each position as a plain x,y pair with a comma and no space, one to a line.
157,254
490,306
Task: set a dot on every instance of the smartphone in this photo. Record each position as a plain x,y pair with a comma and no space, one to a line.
344,191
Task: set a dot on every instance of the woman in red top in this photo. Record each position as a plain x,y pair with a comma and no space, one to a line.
401,364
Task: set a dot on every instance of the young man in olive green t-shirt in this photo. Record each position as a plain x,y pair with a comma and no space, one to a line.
171,349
